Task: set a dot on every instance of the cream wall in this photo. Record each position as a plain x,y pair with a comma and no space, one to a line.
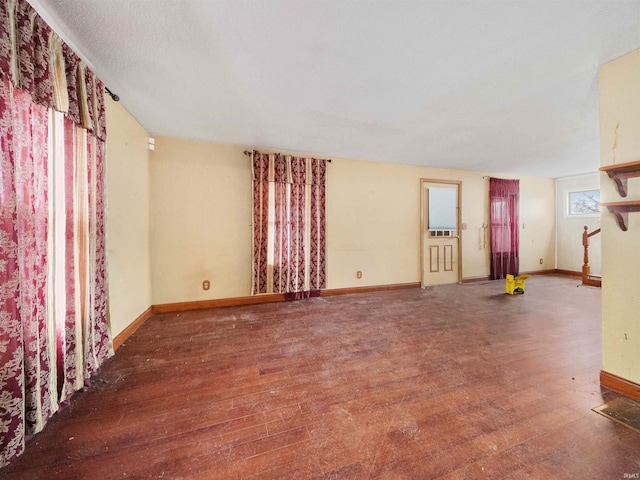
620,126
201,221
537,224
374,222
570,252
128,222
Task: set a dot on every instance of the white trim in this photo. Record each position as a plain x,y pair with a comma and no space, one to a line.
580,175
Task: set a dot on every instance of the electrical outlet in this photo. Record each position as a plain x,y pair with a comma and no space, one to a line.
206,285
359,274
540,261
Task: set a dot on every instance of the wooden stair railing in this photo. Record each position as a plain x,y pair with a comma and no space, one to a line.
587,278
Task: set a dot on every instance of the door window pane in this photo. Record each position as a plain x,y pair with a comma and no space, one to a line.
442,208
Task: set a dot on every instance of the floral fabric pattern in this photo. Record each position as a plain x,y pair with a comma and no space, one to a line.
289,214
12,373
47,345
260,221
28,56
317,264
27,399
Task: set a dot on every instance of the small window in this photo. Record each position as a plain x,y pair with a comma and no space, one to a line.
442,208
583,203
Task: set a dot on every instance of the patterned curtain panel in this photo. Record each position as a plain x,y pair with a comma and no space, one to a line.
504,199
54,329
95,319
289,220
80,309
27,392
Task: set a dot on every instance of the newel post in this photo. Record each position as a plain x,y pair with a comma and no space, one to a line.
586,270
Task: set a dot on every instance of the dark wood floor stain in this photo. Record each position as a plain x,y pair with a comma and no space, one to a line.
458,381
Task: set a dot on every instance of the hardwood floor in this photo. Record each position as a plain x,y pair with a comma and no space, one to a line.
458,381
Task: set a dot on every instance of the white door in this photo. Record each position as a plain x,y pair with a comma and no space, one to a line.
440,232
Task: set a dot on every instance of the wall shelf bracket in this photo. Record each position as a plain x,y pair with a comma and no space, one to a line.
621,211
620,173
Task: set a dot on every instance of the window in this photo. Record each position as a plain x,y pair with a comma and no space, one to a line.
442,211
583,203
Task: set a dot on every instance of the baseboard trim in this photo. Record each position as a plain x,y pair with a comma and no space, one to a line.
592,282
127,332
549,271
374,288
619,385
569,273
220,302
268,298
481,278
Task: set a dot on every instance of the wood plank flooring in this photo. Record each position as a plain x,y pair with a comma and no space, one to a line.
458,381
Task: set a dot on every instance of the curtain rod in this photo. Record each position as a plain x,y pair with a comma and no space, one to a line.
115,97
248,153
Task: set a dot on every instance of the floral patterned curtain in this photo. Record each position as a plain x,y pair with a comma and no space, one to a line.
54,330
504,199
289,225
28,397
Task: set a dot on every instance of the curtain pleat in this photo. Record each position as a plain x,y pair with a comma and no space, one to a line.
5,41
58,77
98,343
280,230
288,225
12,373
71,67
67,348
30,124
317,263
504,196
260,171
297,243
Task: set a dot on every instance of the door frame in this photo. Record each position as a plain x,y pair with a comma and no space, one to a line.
424,181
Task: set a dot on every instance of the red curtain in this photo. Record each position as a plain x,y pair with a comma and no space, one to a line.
318,222
54,328
82,325
27,399
288,225
260,221
97,333
504,198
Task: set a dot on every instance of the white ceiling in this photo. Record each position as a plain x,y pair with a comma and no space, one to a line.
494,86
